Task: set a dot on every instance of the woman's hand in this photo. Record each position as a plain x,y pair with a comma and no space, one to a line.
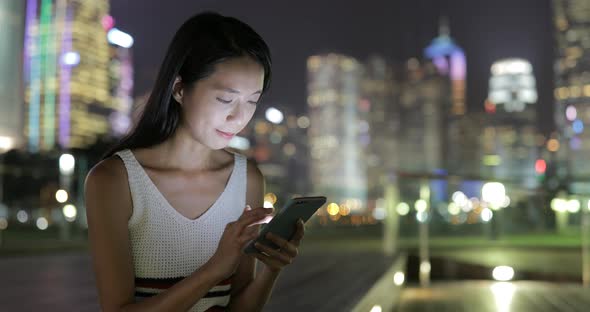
276,259
235,236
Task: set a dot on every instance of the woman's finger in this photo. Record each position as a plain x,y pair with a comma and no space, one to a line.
270,262
296,240
250,217
244,238
284,245
282,257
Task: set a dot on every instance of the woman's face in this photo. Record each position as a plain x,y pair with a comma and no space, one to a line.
221,105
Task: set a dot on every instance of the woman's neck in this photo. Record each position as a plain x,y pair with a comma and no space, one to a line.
182,152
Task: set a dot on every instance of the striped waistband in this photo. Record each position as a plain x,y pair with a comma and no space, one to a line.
148,287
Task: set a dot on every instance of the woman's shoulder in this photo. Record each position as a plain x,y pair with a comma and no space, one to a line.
107,190
108,177
252,169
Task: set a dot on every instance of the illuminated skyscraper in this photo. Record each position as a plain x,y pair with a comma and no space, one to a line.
277,140
449,59
510,139
572,85
379,100
337,136
121,78
68,74
12,14
425,98
464,144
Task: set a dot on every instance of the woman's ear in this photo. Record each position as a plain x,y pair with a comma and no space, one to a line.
177,90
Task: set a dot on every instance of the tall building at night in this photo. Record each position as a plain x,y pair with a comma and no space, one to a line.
464,144
378,89
12,15
510,138
277,139
121,79
337,137
425,98
449,60
77,85
572,86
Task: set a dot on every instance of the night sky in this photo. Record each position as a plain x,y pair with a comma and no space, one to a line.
397,30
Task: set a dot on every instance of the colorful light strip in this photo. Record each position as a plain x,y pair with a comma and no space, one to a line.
29,21
458,65
48,46
34,76
64,82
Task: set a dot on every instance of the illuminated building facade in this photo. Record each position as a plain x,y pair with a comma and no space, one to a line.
449,60
572,86
277,139
425,98
69,74
12,14
121,79
338,141
510,140
464,141
379,92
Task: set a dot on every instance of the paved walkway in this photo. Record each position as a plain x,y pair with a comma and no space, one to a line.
317,281
484,296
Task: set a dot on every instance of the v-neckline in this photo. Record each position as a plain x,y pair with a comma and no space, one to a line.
179,216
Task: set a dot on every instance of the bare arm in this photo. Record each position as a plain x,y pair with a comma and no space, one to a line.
109,207
250,292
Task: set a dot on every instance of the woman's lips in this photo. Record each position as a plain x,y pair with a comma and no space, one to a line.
226,135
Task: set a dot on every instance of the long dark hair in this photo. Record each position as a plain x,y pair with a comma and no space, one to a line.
203,41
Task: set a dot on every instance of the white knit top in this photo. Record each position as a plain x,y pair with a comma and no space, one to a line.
166,245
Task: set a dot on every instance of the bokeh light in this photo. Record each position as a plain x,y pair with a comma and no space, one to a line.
333,209
402,209
503,273
61,196
42,223
70,212
22,216
399,278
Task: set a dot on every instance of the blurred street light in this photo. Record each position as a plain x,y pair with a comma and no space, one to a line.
420,205
22,216
503,273
403,209
376,308
42,223
61,196
486,215
69,212
66,164
573,205
563,207
494,193
399,278
274,115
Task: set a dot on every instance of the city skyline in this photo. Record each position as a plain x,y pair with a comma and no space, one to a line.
396,31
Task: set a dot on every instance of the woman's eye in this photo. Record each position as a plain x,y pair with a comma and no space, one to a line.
253,102
224,101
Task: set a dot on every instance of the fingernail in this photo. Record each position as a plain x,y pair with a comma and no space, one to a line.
248,207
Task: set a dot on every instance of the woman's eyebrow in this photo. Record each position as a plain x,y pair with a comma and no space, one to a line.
230,90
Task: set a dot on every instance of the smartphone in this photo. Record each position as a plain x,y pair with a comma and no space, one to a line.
284,223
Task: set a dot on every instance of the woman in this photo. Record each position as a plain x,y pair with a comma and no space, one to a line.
169,209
